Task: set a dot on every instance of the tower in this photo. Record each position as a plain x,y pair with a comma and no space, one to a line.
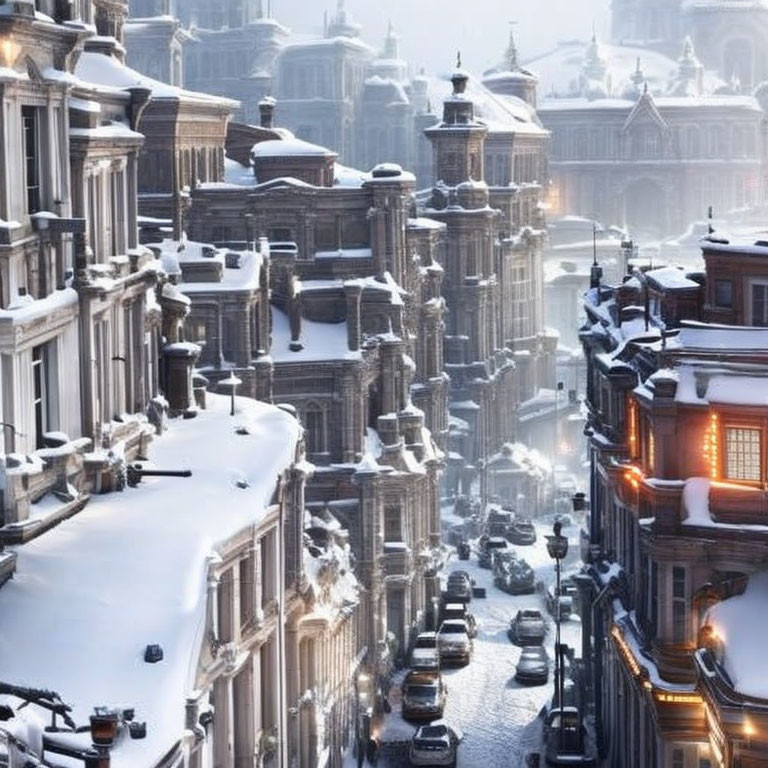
459,140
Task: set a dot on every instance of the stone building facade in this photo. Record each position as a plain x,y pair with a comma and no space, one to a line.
729,35
76,285
652,156
354,345
495,350
676,543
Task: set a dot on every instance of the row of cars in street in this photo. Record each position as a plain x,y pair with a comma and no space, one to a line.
424,691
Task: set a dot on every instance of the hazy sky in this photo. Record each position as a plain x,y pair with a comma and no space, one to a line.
432,30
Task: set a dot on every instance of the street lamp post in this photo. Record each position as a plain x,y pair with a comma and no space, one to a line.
557,547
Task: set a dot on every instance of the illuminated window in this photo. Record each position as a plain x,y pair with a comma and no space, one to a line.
742,453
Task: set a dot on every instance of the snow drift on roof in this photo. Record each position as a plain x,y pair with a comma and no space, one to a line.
131,569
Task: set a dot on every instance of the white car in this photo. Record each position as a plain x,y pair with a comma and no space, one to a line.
434,744
454,642
425,654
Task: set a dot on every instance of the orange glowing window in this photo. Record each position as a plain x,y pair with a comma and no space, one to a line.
743,453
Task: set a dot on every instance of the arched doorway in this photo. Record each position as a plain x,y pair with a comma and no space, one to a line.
645,209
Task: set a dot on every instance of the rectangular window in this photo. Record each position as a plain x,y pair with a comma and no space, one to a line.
723,293
743,453
246,590
393,524
679,605
760,304
31,131
38,380
44,390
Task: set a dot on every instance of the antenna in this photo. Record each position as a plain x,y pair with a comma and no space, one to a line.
458,59
710,215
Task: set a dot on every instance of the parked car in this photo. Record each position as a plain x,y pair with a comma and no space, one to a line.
501,559
518,578
566,745
527,628
497,522
454,642
424,696
533,667
522,532
425,654
566,604
490,544
434,744
459,611
459,587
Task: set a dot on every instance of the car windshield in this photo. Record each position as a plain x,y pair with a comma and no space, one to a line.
433,732
453,629
421,692
426,642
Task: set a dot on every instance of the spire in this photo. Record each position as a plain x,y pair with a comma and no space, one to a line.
391,43
512,58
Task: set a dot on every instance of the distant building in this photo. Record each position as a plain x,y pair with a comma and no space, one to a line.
648,151
729,35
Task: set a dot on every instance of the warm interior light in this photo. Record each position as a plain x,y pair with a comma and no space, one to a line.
626,651
749,729
9,51
711,447
632,426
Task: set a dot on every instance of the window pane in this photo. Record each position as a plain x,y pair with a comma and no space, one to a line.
723,293
742,453
760,305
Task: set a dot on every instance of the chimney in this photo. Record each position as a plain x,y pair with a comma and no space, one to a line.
353,293
267,112
294,318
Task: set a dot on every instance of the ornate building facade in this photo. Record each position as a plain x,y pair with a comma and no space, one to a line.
676,547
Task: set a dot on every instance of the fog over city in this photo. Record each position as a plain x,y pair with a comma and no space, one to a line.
479,29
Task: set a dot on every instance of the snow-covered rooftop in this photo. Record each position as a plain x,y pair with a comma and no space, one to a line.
103,70
320,341
289,148
131,569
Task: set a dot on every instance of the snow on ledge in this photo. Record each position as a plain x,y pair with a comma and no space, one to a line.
131,569
742,622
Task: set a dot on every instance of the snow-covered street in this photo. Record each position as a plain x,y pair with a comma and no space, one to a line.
497,715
